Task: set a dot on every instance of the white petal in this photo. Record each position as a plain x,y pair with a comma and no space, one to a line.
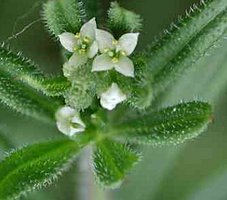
128,42
107,105
64,113
105,40
93,50
89,29
75,61
125,66
69,121
76,119
68,41
102,63
93,22
112,97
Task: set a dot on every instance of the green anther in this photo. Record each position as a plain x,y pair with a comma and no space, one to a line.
115,60
87,40
77,36
123,53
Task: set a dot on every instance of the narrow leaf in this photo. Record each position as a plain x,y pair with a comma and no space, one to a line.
187,41
23,69
63,16
123,21
34,167
25,100
112,161
195,49
172,125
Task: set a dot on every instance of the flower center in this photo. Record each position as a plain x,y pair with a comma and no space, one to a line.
114,54
82,45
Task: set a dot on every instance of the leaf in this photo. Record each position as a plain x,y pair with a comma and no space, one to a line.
123,21
187,41
34,167
172,125
25,100
24,70
63,16
112,161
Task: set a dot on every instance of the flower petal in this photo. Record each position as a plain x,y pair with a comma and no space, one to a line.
105,40
64,113
69,121
102,63
93,50
128,42
89,29
75,61
93,22
112,97
107,105
68,41
125,66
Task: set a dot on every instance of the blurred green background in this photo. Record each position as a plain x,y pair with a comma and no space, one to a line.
193,171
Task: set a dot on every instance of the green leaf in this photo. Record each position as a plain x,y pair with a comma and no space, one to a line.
34,167
122,21
53,86
63,16
24,70
25,100
172,125
187,41
112,161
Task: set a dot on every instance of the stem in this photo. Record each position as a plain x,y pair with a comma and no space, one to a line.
86,187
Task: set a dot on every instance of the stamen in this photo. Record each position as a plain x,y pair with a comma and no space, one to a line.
87,40
114,42
77,36
115,60
123,53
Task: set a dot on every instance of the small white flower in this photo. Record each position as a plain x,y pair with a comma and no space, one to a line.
115,53
83,45
112,97
69,121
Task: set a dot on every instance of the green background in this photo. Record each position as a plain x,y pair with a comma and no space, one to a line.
193,171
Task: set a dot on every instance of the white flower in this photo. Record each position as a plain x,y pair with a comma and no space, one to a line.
115,53
83,45
69,121
112,97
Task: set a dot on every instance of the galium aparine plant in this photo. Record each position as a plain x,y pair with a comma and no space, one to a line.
107,94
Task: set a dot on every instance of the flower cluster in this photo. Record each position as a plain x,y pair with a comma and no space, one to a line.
107,54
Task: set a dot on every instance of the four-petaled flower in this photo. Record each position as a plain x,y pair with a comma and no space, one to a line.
83,45
69,121
113,96
115,53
